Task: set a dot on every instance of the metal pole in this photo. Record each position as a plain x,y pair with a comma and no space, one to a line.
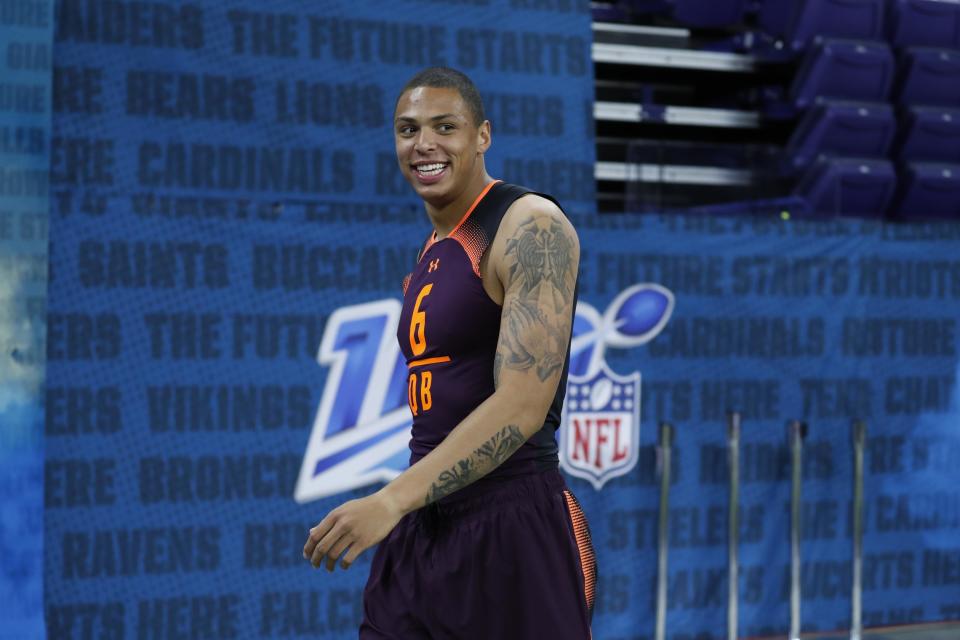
733,524
859,433
796,431
663,542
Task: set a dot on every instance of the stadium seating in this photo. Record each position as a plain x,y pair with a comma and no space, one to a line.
854,19
928,23
857,105
708,13
847,69
848,186
929,77
842,128
929,134
776,16
928,191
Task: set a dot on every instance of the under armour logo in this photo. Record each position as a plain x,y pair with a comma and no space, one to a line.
434,265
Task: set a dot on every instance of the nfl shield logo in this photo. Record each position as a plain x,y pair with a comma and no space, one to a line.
600,432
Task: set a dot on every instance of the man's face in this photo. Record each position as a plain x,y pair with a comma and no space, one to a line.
439,147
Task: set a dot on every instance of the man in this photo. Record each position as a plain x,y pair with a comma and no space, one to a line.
481,539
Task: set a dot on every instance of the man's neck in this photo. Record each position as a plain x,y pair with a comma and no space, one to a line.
446,217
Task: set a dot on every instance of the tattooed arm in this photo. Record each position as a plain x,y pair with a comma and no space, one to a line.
532,267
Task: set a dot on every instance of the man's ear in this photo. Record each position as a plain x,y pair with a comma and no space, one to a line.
483,137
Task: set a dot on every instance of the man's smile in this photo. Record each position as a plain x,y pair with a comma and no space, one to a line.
430,172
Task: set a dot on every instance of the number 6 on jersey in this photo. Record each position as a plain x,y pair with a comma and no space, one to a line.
418,321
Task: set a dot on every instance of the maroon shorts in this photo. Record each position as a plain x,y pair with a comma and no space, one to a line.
506,559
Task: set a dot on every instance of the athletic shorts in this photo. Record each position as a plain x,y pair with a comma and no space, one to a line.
508,559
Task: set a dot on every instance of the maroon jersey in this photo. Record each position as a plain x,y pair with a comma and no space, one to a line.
448,333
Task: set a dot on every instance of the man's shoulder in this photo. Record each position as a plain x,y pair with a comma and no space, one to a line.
525,197
538,203
532,221
534,208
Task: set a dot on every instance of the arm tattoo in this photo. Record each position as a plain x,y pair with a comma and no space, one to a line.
484,459
541,267
541,261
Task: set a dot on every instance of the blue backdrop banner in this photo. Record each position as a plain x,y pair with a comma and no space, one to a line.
229,236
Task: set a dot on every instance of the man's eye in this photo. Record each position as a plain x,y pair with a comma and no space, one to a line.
446,128
405,131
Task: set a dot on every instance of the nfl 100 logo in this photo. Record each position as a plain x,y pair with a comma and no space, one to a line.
362,429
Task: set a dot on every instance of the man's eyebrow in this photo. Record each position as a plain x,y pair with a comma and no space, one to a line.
442,116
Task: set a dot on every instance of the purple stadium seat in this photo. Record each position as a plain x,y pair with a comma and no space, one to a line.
854,19
845,69
776,16
929,191
843,129
926,23
929,134
848,186
929,77
708,13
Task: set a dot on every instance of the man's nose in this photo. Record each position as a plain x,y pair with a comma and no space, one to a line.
424,141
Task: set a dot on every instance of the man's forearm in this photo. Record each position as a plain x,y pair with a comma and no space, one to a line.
478,445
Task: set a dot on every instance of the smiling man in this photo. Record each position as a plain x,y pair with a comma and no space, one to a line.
480,537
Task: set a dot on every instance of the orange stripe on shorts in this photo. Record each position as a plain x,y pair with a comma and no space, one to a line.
588,559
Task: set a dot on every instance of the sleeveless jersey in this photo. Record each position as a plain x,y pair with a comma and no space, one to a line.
448,333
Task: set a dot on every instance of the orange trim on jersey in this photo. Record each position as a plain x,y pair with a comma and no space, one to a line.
433,238
426,245
426,361
473,243
472,207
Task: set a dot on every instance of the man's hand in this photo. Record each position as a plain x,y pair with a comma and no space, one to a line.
353,527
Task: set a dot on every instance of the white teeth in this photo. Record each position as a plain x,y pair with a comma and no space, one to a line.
430,169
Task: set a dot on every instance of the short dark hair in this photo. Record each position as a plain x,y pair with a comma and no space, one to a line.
447,78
